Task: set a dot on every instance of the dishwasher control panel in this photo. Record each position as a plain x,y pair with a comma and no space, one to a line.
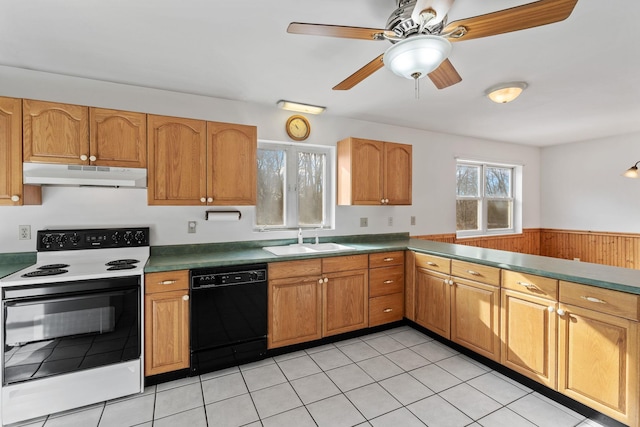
213,277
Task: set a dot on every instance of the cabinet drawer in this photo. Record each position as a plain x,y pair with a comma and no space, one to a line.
478,272
602,300
530,284
166,281
385,309
432,262
344,263
308,267
385,259
384,281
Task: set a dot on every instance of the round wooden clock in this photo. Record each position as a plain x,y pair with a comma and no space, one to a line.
298,128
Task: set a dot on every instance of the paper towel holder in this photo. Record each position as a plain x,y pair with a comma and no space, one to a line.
229,215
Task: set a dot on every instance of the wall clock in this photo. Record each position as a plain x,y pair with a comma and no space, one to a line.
298,128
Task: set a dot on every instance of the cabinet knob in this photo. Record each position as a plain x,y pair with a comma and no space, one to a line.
167,282
325,280
15,198
210,199
92,158
386,201
551,309
203,200
387,310
83,157
185,298
561,312
320,281
382,201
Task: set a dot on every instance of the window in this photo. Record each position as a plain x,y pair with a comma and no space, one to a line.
294,186
485,202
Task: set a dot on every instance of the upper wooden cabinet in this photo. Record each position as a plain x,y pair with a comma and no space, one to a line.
374,172
194,162
75,134
55,133
117,138
12,192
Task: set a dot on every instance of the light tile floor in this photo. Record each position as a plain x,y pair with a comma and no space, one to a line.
399,377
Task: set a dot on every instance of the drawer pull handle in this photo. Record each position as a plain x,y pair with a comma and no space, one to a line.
473,273
386,282
387,310
594,299
529,286
167,282
433,264
388,259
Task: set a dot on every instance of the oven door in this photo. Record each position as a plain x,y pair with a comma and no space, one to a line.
56,328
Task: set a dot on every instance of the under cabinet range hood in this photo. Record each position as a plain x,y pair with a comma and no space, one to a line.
83,175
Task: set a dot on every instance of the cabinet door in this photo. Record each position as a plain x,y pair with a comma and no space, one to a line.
177,161
364,160
10,151
597,362
433,301
295,311
55,133
345,302
166,332
117,138
397,173
529,336
475,317
232,167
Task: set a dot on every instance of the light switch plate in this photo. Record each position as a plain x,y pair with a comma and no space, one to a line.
191,227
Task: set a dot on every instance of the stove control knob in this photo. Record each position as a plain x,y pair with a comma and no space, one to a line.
47,239
128,237
139,236
57,238
115,237
75,239
63,239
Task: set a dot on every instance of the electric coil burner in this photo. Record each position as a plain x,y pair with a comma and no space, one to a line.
72,322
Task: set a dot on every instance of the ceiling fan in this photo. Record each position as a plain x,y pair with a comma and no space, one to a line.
422,37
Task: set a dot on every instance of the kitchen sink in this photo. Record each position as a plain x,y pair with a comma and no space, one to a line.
306,248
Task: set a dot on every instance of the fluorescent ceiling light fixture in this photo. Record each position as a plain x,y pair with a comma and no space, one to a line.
417,56
301,108
632,172
505,92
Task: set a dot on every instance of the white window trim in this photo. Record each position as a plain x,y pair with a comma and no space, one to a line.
291,207
516,198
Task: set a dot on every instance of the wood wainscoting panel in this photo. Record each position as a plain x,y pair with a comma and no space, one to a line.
527,242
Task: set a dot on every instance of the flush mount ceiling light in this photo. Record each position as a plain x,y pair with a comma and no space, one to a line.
632,172
301,108
417,56
505,92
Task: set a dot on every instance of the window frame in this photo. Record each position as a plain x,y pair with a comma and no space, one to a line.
290,194
514,198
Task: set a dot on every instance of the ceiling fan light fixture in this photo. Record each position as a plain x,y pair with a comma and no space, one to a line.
505,92
632,172
417,56
300,108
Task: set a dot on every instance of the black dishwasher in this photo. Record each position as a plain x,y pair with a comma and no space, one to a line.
228,316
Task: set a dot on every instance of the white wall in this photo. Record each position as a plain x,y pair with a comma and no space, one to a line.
582,187
433,169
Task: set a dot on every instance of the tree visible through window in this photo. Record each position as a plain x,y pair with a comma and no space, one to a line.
484,198
293,188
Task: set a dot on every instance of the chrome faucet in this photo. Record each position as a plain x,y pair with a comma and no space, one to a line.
300,241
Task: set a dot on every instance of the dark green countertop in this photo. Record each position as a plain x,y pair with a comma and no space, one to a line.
169,258
12,262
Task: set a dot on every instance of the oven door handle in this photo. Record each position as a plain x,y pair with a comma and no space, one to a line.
25,302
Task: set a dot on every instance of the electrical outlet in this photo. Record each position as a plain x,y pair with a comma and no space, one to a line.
191,227
24,232
364,222
413,220
390,221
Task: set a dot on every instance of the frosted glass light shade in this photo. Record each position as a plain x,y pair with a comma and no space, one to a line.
417,56
505,92
632,172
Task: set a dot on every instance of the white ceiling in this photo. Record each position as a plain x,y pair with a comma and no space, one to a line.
583,73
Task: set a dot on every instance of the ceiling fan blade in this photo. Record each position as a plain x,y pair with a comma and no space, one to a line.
339,31
513,19
445,75
441,8
360,75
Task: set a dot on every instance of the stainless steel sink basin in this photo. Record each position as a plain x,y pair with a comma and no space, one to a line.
306,248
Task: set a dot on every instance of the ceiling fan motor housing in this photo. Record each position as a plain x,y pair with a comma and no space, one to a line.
403,25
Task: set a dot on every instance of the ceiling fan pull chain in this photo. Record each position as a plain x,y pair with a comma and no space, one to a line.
416,76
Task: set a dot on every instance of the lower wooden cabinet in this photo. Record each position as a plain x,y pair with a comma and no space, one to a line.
166,320
345,301
433,301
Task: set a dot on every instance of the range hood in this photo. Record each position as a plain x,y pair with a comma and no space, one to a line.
85,175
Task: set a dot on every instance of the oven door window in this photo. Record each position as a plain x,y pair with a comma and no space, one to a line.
52,335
